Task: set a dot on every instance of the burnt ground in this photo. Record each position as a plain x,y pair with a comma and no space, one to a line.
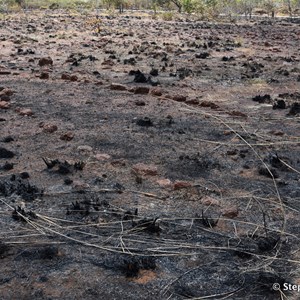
143,159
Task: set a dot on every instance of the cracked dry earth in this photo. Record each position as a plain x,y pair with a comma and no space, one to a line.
143,159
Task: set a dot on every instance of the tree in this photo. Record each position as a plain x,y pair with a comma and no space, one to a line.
270,6
188,6
178,3
246,7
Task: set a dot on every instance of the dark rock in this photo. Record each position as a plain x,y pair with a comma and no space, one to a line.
140,103
4,248
154,72
226,58
118,87
145,122
149,225
139,77
49,252
279,104
129,61
7,139
45,61
295,109
7,167
183,73
44,75
19,214
143,90
265,172
262,99
202,55
4,153
68,181
24,175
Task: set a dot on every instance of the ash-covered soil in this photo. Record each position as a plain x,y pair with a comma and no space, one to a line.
143,159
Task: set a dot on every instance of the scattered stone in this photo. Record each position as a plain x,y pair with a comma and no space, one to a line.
44,75
209,201
102,156
118,163
142,90
277,132
164,183
80,186
84,148
209,104
25,112
68,136
74,78
178,184
156,92
232,152
236,113
192,101
6,92
45,61
108,62
49,128
4,105
2,72
140,103
230,212
118,87
143,169
179,98
5,98
65,76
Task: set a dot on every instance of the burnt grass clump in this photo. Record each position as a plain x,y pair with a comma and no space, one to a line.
16,185
19,214
64,167
131,266
38,253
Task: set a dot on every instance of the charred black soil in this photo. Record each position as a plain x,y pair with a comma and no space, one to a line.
148,159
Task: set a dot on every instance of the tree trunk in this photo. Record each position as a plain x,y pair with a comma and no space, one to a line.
290,8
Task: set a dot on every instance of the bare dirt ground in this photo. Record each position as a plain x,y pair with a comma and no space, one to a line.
143,159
